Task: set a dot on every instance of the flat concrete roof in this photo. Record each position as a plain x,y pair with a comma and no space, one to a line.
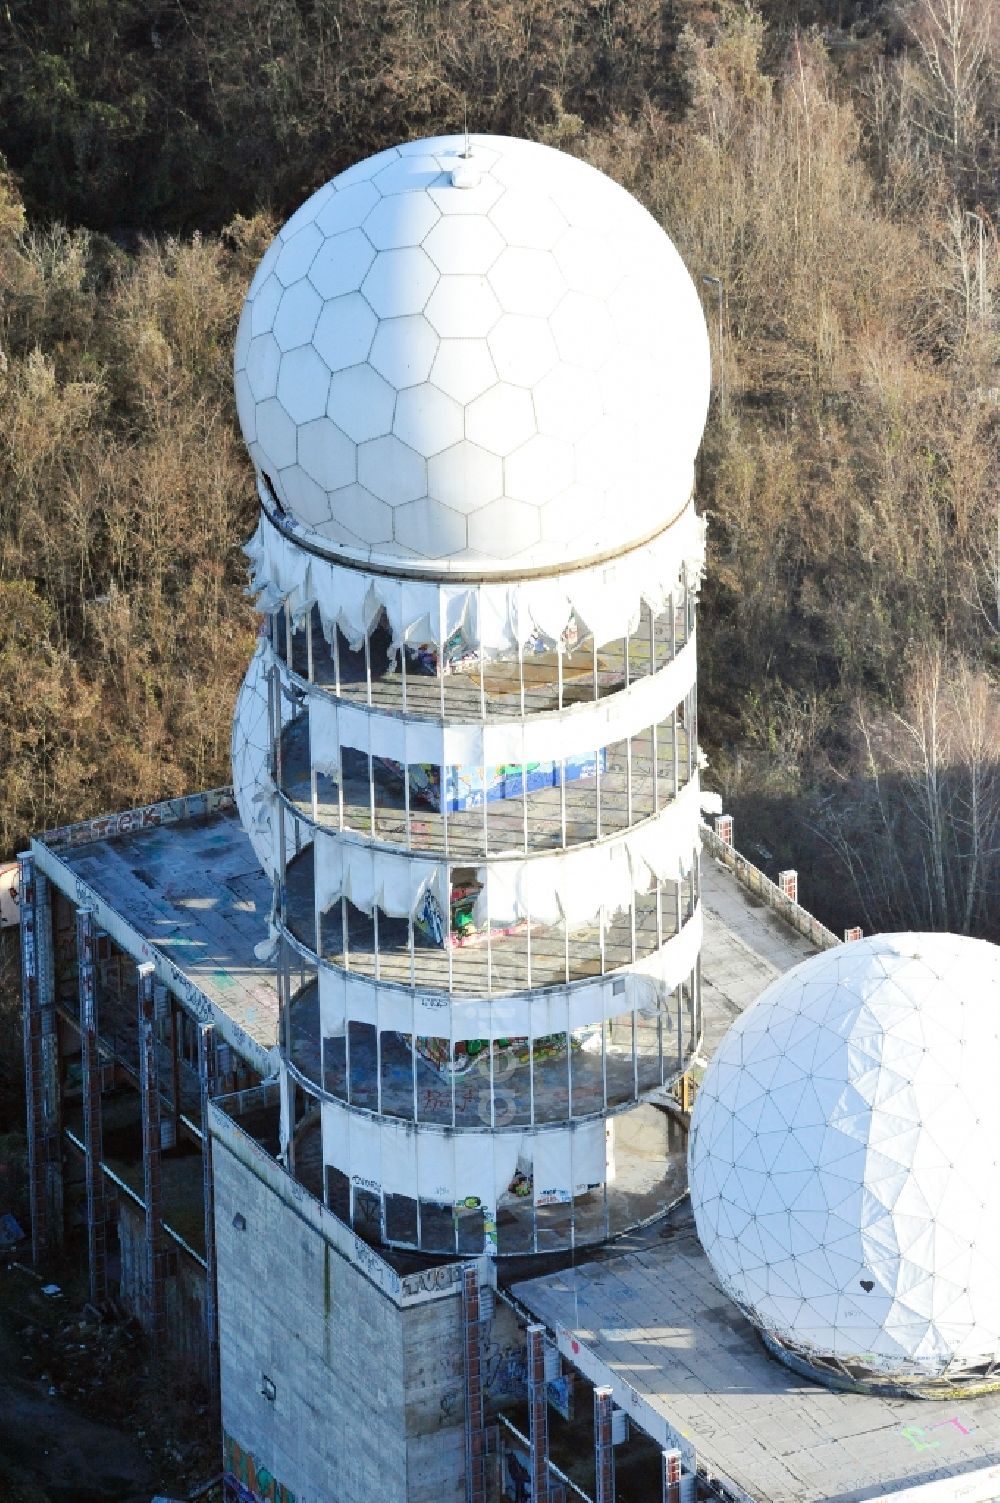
190,896
649,1318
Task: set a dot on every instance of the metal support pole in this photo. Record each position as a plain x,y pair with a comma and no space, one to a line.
33,1072
97,1235
475,1426
538,1416
206,1081
155,1311
671,1476
604,1452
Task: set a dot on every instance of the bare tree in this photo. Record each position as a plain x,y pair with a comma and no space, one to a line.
954,41
920,836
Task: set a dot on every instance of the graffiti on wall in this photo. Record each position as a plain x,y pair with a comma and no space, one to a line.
248,1480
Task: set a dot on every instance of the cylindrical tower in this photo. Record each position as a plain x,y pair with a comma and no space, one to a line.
473,379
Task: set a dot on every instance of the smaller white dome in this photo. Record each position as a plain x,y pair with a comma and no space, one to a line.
474,364
845,1162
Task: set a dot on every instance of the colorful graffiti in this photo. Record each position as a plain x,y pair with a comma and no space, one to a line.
248,1480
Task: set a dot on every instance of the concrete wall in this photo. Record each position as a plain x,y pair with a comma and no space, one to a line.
184,1291
366,1366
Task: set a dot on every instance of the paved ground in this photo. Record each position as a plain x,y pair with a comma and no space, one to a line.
746,945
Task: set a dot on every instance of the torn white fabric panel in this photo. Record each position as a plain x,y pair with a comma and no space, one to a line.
590,1155
552,1167
570,887
399,1158
436,1167
474,1178
365,1151
336,1144
374,876
324,735
332,1001
493,616
507,1148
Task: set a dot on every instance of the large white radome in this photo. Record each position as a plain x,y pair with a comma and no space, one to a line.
477,362
845,1161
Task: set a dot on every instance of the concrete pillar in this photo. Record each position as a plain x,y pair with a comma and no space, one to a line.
604,1451
97,1246
206,1081
475,1425
538,1415
154,1313
175,1068
41,1061
671,1476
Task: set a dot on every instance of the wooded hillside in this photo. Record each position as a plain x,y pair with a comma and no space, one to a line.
834,165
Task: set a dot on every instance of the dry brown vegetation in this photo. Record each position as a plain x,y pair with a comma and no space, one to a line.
830,178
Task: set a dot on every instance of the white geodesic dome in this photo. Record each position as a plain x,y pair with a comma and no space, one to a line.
485,360
845,1161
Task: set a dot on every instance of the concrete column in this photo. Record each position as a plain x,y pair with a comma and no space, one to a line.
33,1070
175,1068
538,1415
42,1074
604,1452
671,1476
475,1426
97,1247
155,1315
206,1081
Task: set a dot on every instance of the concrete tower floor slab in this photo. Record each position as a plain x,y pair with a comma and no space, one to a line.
649,1318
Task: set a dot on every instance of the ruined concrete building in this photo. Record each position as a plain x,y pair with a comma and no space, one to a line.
356,1073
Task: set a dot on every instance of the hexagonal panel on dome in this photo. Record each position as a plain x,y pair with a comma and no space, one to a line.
498,315
345,331
303,384
501,419
526,280
464,244
463,307
391,470
465,476
297,254
400,282
403,220
297,316
327,455
430,528
428,420
341,264
348,208
365,515
264,305
463,368
361,403
403,350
